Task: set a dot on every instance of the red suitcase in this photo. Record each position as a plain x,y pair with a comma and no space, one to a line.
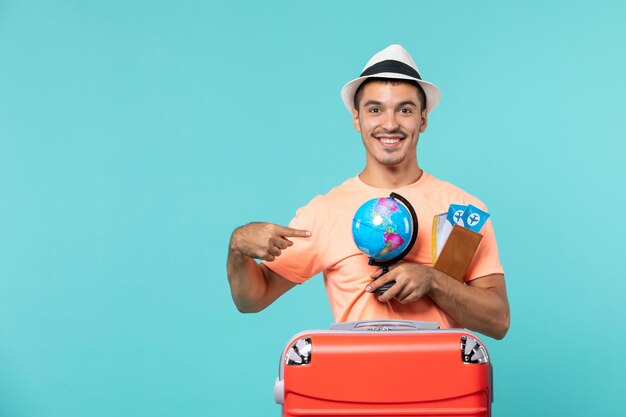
385,368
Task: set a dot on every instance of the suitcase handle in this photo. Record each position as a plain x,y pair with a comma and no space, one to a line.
385,325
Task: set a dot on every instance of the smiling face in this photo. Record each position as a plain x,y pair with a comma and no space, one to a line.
390,119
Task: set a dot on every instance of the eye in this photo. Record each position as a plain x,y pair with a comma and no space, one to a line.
374,110
406,110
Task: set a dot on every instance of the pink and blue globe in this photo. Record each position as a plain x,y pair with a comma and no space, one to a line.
382,228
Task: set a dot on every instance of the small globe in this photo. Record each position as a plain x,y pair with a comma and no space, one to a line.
382,228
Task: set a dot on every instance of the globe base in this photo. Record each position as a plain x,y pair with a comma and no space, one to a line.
381,290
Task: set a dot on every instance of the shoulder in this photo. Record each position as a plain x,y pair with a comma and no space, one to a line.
453,193
328,215
336,198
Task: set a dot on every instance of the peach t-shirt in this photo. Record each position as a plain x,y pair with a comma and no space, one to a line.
332,251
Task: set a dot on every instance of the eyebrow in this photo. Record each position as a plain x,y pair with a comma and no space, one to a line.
378,103
372,103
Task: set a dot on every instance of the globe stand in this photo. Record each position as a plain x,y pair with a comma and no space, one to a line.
386,264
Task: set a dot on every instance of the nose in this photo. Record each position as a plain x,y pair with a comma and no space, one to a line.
390,121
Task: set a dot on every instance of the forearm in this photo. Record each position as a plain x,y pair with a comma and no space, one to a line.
483,309
247,282
255,286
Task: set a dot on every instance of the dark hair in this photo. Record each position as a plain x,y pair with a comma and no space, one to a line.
420,92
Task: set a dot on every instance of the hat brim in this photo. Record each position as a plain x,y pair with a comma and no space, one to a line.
431,91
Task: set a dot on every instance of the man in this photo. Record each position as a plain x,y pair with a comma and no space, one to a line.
389,104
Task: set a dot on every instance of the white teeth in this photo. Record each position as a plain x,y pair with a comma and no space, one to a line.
389,141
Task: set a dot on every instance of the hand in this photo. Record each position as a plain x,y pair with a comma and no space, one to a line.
413,281
263,241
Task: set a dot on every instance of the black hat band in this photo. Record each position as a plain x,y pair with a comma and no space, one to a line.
391,65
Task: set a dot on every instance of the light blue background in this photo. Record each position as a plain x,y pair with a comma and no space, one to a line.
135,136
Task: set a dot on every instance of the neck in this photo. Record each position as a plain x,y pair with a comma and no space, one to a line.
390,177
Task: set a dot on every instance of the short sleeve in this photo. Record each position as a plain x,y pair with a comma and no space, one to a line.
301,261
486,260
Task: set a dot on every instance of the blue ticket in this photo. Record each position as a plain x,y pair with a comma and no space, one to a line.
473,218
455,212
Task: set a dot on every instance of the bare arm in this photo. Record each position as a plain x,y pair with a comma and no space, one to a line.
254,286
481,305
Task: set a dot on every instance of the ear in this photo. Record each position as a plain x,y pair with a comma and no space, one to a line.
424,120
355,120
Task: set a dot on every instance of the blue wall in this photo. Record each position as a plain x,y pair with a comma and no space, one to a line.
135,136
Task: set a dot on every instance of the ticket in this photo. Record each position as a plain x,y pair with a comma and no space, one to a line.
455,212
473,218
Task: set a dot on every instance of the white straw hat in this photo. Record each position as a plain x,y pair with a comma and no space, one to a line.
392,62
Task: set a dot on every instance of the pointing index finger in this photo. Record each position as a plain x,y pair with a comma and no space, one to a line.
291,232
